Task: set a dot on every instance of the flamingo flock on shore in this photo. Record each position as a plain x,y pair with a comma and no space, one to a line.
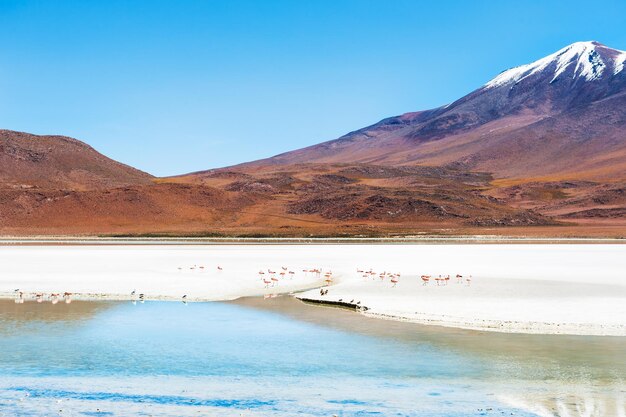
39,297
269,278
394,278
441,280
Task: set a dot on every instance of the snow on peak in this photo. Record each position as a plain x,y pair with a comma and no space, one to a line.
620,61
583,57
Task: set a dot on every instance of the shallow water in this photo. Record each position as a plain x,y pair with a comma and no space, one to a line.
280,357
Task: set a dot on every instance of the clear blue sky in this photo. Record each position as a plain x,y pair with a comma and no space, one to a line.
178,86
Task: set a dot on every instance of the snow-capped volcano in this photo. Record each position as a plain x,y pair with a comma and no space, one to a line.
561,114
581,60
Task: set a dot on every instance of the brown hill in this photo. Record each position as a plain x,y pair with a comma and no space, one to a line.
58,162
539,150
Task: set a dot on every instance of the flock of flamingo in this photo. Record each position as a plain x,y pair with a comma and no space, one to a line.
269,278
444,280
395,277
39,297
272,278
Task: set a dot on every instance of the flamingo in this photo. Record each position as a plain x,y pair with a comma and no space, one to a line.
219,268
20,298
425,279
394,281
459,278
267,282
469,280
291,274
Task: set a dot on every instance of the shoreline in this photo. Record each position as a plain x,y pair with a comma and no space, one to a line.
402,240
539,289
481,325
498,326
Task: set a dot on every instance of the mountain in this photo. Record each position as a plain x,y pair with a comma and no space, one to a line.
561,116
60,185
59,162
547,139
538,150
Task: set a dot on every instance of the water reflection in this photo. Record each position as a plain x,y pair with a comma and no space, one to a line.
593,356
14,316
546,375
570,401
285,357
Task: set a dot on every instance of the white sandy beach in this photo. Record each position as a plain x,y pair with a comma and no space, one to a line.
566,289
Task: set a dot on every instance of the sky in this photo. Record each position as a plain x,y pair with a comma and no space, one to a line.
172,87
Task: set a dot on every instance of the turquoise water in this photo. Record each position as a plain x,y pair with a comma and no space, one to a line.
280,357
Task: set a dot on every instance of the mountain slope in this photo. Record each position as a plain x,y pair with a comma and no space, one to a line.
59,185
539,150
563,115
59,162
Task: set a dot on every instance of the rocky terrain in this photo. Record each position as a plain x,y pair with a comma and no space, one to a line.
539,150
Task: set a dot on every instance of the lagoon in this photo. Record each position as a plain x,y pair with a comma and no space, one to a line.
281,357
